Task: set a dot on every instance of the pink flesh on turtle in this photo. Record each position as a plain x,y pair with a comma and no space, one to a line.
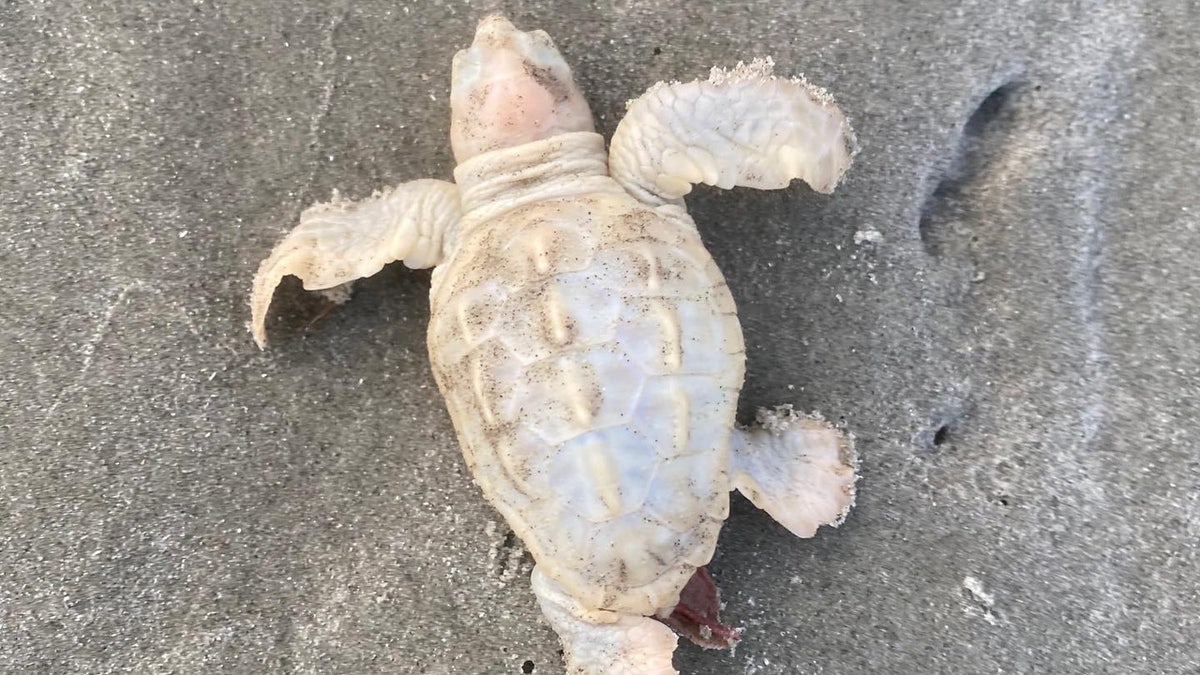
697,616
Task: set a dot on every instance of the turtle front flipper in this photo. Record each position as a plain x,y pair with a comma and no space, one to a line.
797,468
340,241
600,642
742,127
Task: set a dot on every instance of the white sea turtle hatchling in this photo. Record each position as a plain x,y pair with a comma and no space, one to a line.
587,346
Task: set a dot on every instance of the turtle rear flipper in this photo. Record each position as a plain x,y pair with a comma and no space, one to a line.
799,469
340,241
599,642
742,126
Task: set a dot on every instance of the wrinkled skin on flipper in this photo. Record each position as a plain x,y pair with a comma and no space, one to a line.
741,127
341,241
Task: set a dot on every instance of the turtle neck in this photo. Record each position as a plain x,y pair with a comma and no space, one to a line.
560,166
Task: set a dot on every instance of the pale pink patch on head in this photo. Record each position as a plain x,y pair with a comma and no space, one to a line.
509,88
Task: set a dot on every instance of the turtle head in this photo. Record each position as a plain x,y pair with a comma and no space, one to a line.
511,87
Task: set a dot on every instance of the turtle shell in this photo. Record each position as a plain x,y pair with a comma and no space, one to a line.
591,357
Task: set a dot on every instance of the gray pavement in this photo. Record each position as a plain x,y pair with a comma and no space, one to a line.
1016,353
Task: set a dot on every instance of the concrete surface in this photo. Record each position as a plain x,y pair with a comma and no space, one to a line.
1017,354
